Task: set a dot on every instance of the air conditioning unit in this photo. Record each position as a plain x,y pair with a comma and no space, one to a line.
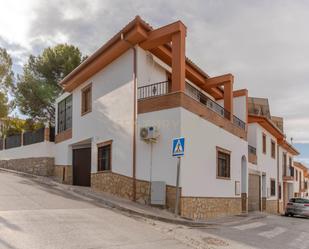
150,133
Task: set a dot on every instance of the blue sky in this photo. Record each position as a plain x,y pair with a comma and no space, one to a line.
304,150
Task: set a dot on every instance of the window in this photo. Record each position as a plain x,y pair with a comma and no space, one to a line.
223,163
272,187
296,174
65,114
104,156
86,99
273,149
264,143
284,164
279,192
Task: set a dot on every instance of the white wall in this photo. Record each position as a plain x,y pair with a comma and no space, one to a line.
240,107
111,117
163,164
148,71
199,165
43,149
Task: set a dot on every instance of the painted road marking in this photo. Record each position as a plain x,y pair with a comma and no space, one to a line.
301,242
250,226
273,233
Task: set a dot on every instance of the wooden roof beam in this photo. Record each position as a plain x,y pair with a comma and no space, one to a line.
162,35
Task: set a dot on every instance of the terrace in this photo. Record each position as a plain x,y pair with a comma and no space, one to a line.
160,96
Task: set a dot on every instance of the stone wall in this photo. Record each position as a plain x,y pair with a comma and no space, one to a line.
41,166
122,186
272,206
63,174
203,208
119,185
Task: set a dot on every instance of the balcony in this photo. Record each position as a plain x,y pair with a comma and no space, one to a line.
160,89
288,174
252,157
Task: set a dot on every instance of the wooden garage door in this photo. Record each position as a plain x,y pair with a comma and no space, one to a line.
254,193
81,166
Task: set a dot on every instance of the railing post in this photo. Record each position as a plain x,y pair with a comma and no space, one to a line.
46,134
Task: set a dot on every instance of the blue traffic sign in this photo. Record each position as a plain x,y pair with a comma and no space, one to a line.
178,146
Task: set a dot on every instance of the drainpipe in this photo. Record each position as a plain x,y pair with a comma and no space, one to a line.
134,114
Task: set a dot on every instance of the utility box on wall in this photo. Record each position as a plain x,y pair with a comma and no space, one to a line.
158,193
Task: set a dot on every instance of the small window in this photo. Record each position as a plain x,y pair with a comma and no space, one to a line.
223,163
104,156
272,187
273,149
284,163
86,99
290,161
296,174
264,143
279,192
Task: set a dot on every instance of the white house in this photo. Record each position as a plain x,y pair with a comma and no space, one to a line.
270,160
139,79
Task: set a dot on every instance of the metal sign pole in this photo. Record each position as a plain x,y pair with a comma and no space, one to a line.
177,187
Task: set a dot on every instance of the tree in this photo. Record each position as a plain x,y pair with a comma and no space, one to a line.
4,108
37,88
6,73
6,81
12,126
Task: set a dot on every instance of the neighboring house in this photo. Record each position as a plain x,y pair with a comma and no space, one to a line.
307,183
140,79
300,181
269,155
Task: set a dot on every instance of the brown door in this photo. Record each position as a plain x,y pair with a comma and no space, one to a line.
254,193
81,166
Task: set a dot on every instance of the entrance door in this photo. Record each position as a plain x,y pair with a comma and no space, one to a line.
81,166
254,193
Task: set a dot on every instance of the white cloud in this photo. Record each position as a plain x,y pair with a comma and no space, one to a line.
263,43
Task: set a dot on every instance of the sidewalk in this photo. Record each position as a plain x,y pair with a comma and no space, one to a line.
132,208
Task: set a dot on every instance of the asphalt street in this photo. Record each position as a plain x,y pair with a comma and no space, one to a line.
271,232
36,216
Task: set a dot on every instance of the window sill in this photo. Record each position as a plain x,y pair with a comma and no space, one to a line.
86,112
104,171
223,178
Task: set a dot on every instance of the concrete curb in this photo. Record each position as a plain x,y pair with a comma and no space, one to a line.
122,208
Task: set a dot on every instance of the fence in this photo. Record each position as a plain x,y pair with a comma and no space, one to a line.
27,138
32,137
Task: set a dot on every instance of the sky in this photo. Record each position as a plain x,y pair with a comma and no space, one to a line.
264,44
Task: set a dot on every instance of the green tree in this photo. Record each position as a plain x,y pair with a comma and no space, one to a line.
6,81
37,88
4,108
6,73
11,126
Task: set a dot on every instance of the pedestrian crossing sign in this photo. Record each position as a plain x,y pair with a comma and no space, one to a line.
178,146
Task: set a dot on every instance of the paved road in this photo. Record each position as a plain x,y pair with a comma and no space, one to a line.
271,232
37,216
